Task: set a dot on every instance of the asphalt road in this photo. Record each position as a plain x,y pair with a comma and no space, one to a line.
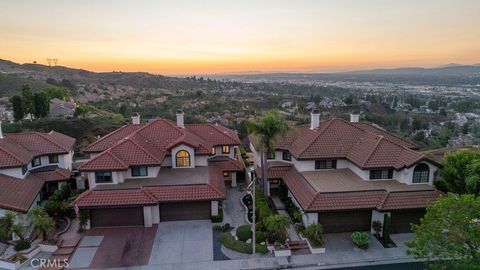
398,266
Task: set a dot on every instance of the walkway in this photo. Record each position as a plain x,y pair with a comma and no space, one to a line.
233,210
292,233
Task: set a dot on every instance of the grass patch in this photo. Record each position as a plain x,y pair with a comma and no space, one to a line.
229,242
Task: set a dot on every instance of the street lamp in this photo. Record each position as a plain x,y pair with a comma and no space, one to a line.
251,190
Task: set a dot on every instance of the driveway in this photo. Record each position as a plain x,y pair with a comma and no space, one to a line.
183,242
114,247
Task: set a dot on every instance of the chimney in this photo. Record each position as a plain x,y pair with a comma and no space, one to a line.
1,131
136,118
180,122
354,117
314,119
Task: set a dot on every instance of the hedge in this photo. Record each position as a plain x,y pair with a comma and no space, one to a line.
262,205
244,232
229,242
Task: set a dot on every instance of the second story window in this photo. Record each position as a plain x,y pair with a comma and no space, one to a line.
381,174
24,169
103,177
53,159
421,173
214,151
36,162
139,171
286,156
226,149
226,174
182,158
271,155
325,164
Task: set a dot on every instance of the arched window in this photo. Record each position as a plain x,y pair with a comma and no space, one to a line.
421,173
183,158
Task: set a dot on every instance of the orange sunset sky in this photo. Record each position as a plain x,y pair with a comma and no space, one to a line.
204,37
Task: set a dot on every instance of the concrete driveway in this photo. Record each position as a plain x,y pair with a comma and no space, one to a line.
182,241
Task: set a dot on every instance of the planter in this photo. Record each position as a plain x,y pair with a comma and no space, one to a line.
313,250
10,265
282,252
45,247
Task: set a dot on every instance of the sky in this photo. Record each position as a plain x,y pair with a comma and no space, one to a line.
204,37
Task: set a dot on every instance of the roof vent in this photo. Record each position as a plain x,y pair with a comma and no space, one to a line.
354,117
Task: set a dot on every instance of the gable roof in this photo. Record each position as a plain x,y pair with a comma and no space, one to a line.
363,144
17,149
149,143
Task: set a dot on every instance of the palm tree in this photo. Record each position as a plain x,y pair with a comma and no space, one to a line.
266,130
41,222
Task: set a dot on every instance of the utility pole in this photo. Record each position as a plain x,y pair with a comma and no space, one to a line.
251,189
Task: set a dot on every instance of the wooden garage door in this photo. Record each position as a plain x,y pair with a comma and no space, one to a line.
349,221
402,220
184,211
108,217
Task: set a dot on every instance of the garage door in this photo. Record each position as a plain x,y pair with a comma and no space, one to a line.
335,222
184,211
108,217
402,220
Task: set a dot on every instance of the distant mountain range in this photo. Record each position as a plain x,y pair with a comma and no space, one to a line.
14,75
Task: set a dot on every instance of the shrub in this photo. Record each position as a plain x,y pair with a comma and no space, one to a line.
276,226
260,237
229,242
244,232
262,205
22,244
217,228
361,239
314,233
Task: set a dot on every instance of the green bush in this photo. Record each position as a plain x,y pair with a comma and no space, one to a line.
244,232
262,205
229,242
260,237
276,226
386,227
314,233
361,239
21,245
227,227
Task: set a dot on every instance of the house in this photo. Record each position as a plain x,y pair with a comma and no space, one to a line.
142,174
61,108
32,167
346,175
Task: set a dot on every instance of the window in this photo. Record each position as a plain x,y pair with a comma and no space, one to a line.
271,155
421,173
226,174
183,158
235,152
24,169
214,151
274,181
36,162
139,171
53,159
103,177
381,174
325,164
286,156
226,149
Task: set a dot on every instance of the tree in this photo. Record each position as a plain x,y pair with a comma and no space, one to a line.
450,232
57,92
41,103
42,223
455,171
17,104
472,182
27,99
266,130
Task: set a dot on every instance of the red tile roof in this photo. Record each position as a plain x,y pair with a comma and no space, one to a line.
18,194
227,164
363,144
18,149
148,195
148,144
312,201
